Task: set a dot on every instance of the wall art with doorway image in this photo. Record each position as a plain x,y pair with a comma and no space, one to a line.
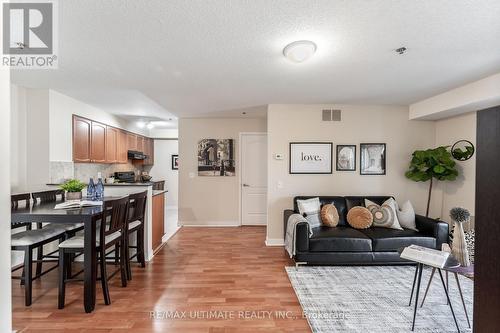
372,158
216,157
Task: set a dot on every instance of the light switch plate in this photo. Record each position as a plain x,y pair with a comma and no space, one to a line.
278,156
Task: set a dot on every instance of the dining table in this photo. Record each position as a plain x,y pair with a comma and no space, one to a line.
89,216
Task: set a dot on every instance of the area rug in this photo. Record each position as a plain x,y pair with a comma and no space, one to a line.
375,299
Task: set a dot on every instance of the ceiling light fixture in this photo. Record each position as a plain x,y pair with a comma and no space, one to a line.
150,125
141,124
299,51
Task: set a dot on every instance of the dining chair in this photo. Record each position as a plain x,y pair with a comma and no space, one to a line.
70,228
137,208
29,240
110,232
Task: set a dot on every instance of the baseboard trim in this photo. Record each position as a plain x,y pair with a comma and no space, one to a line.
211,224
275,242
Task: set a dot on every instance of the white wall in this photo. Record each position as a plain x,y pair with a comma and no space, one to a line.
166,133
18,145
209,200
462,191
62,108
360,124
5,280
471,97
162,169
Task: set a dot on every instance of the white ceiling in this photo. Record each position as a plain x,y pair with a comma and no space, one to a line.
157,58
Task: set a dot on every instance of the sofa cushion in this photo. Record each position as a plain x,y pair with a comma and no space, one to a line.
339,239
384,239
338,202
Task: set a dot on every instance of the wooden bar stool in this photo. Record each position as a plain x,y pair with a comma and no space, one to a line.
137,204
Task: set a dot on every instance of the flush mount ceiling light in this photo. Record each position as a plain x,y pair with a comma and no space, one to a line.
150,125
299,51
141,124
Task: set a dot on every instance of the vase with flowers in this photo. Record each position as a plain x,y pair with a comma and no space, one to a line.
459,216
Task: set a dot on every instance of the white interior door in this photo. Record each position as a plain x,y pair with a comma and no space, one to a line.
253,179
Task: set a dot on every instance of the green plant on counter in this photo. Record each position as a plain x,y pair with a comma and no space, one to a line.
429,164
73,185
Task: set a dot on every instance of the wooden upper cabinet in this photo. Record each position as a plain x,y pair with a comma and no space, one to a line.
111,144
151,158
147,150
140,143
121,147
98,143
131,141
81,139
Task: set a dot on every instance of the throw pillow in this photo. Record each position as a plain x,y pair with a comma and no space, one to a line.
329,215
406,215
359,217
310,209
384,216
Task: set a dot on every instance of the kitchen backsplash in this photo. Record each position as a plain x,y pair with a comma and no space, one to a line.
61,171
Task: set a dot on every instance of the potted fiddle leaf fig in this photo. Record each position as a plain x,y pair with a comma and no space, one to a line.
73,188
430,164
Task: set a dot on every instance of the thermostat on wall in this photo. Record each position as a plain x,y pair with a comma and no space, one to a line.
278,156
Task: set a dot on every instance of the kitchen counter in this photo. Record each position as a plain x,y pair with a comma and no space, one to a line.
158,192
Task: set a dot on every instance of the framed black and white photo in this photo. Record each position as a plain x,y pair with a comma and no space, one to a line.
346,158
216,158
311,157
175,162
372,158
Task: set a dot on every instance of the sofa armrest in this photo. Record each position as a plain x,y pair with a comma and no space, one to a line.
434,228
301,232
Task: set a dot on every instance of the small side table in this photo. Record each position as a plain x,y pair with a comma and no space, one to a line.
451,263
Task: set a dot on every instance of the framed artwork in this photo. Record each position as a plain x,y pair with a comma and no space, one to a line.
311,157
216,157
372,158
346,158
175,162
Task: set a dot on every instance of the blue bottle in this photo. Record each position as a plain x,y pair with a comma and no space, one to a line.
91,189
99,188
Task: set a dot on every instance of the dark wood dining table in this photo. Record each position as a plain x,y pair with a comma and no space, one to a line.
46,213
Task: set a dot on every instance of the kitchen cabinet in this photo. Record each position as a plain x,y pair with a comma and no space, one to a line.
98,143
94,142
131,141
140,143
121,147
81,139
158,225
111,144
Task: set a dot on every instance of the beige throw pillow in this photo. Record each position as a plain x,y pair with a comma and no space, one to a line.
359,217
329,215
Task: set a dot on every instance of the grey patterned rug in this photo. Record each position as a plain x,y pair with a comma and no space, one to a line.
375,299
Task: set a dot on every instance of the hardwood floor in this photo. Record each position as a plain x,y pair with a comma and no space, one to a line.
200,272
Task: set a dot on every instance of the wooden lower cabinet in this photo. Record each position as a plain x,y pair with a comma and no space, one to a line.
158,225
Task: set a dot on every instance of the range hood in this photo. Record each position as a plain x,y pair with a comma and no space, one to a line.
136,155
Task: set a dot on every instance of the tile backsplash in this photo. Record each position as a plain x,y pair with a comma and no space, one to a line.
60,171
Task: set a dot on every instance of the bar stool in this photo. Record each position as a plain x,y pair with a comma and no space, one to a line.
137,204
111,232
28,240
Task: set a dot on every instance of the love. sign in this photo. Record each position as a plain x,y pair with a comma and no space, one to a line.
311,157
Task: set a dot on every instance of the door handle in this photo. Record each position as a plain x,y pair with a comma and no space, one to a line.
246,185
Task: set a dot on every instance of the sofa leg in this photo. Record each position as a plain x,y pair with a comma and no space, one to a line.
300,263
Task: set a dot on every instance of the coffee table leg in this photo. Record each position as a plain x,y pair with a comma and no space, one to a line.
428,285
448,299
462,297
413,287
420,268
